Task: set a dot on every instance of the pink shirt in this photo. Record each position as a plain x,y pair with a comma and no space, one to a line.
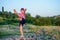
22,15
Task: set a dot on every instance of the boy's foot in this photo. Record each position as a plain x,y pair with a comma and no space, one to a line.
21,36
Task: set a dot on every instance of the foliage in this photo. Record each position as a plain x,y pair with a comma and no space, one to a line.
10,18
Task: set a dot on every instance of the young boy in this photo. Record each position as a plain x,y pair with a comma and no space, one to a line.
21,16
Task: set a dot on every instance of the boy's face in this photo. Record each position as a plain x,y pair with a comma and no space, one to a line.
22,11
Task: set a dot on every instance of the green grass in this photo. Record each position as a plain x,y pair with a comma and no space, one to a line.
6,30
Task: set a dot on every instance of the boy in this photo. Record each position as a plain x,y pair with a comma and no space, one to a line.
21,16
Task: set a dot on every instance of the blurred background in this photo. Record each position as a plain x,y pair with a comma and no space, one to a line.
43,19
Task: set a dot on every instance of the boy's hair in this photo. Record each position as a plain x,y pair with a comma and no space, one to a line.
22,8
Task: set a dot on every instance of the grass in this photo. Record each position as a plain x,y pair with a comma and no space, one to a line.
6,30
54,31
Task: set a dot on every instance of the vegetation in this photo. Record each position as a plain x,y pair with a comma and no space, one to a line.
10,18
44,32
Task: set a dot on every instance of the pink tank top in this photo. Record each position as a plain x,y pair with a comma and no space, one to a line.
22,15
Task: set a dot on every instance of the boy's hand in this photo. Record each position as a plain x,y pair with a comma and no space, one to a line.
25,9
14,11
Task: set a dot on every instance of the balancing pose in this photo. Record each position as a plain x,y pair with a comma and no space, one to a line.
22,21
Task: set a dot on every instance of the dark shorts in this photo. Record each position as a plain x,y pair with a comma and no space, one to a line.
23,21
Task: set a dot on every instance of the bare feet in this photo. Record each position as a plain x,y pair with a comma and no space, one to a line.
22,36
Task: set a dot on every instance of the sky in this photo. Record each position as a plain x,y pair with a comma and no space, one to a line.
34,7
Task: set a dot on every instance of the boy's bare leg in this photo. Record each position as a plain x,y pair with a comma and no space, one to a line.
21,30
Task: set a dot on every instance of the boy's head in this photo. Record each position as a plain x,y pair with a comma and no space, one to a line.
22,10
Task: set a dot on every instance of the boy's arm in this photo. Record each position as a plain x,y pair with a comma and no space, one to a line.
15,12
25,10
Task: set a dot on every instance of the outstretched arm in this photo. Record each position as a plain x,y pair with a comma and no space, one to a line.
25,11
15,12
